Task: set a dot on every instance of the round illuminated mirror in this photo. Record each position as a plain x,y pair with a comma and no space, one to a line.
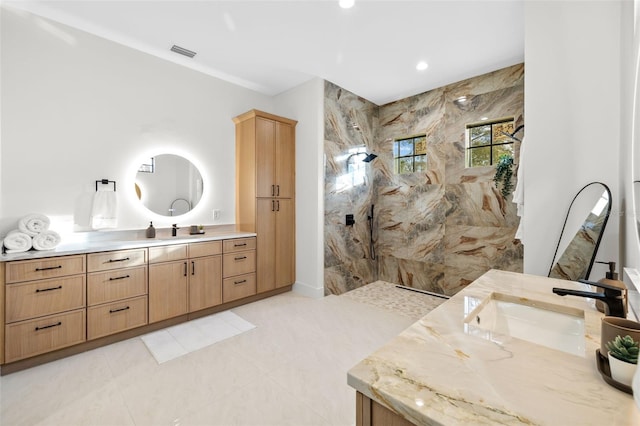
168,185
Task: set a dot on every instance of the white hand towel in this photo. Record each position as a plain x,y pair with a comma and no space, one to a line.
105,207
17,242
47,240
518,194
33,224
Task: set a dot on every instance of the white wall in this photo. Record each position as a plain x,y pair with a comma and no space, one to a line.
572,110
77,108
305,103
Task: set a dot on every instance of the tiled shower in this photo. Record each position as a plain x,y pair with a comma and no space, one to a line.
437,229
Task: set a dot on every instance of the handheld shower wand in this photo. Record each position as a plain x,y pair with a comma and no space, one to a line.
372,251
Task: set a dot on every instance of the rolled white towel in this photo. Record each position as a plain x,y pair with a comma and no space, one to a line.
33,224
17,242
47,240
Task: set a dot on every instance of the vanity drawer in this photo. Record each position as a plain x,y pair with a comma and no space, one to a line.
239,263
116,259
28,338
209,248
168,253
239,244
44,297
238,287
104,287
114,317
29,270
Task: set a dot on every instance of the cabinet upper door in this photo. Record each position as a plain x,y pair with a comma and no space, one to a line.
285,160
265,157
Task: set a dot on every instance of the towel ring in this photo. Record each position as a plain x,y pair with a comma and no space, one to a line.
106,182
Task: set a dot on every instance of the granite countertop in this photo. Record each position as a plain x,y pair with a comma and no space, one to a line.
130,241
443,371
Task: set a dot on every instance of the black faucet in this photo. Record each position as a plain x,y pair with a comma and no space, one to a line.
612,297
174,230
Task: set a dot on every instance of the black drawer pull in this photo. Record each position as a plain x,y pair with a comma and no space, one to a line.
40,290
49,326
111,311
273,192
49,268
119,278
118,260
241,257
240,282
240,245
278,190
193,268
185,269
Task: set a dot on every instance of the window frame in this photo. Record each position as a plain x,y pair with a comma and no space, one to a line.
413,155
504,140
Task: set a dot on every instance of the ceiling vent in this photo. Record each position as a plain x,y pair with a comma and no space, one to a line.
183,51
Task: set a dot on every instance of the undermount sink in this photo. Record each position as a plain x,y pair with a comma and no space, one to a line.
501,316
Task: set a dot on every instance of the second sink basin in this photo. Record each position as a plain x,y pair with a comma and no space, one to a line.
502,315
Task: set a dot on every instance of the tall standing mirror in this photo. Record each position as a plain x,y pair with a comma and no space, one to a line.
580,237
169,185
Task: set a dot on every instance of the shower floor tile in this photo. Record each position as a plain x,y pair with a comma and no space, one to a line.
386,295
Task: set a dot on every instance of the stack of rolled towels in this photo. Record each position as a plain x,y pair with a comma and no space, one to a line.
33,232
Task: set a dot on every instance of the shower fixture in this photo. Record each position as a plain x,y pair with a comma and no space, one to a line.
366,159
369,157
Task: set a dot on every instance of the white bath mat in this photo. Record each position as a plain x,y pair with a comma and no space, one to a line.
190,336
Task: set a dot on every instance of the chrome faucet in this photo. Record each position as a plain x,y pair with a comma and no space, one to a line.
174,230
612,298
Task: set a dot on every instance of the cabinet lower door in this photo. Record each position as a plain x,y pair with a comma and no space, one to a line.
266,235
285,241
168,290
205,282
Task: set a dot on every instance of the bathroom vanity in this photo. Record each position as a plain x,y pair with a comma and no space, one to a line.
78,297
460,365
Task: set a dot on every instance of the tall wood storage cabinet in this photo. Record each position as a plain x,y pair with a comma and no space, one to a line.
265,193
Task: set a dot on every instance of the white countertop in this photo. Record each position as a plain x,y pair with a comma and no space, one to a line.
83,247
436,372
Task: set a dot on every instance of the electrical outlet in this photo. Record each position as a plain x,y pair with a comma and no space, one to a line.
216,214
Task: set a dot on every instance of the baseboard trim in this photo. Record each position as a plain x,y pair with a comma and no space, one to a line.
307,290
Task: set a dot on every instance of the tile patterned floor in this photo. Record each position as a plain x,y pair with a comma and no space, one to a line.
386,295
289,370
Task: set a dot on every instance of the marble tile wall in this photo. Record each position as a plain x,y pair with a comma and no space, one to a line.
436,230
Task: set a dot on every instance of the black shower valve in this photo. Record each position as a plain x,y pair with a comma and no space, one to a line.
350,221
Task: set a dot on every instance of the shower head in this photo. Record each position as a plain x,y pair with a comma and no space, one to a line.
369,157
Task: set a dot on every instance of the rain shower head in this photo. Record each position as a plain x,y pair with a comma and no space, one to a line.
369,158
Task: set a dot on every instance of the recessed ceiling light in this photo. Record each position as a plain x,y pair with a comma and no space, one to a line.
346,4
484,118
422,65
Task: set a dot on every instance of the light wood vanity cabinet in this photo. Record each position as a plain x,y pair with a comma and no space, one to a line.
45,305
265,193
184,278
239,269
116,291
84,301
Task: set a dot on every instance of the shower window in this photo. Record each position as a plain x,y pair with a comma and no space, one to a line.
410,154
486,141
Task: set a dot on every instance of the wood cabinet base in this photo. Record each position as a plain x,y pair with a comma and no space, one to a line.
370,413
96,343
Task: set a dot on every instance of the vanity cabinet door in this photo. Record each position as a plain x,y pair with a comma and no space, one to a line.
205,282
266,255
168,290
285,240
275,226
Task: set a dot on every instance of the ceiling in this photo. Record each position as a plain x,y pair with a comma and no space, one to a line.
271,46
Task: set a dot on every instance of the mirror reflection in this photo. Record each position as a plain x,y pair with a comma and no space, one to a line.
169,185
579,247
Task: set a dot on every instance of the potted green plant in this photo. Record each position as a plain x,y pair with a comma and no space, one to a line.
623,358
504,173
